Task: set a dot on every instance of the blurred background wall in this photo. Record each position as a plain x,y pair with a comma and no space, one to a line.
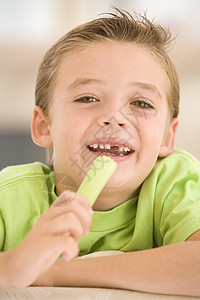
29,27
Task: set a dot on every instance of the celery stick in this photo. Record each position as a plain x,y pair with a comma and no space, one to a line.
99,173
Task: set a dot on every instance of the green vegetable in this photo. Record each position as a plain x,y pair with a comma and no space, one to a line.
99,173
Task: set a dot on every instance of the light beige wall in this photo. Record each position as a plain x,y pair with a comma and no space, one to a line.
27,31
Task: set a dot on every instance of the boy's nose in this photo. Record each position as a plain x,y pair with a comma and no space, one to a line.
110,123
112,120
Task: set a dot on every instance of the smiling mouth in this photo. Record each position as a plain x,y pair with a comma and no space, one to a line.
109,149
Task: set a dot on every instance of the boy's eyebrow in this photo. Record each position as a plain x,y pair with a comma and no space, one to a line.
148,86
83,81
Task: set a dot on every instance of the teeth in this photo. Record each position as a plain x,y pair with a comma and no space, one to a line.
108,147
94,146
126,149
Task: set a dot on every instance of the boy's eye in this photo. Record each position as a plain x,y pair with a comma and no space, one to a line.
142,104
87,99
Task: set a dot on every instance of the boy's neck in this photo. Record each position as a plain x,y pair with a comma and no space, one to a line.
111,198
108,199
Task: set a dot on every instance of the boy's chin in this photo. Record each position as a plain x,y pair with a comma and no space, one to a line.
116,181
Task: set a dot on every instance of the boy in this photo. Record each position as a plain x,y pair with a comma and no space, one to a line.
106,88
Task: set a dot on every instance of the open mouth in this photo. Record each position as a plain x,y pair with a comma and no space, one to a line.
109,149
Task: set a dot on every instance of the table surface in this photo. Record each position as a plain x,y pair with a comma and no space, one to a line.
52,293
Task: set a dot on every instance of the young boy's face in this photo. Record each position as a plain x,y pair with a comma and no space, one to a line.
111,98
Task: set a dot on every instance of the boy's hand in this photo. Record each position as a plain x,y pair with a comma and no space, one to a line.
56,232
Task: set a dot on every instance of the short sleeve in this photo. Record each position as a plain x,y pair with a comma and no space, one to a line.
177,204
24,197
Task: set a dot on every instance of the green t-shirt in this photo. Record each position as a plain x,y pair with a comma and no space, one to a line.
166,211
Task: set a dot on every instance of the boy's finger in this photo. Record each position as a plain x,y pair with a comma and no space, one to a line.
78,204
69,224
65,198
72,249
68,196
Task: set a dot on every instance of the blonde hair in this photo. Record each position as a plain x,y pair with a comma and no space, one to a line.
121,27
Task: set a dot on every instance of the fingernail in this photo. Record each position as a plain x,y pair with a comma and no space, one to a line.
61,201
66,257
91,211
64,199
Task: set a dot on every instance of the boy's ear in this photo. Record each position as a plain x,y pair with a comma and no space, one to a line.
41,134
168,142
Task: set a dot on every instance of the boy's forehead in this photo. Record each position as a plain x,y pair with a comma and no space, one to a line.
108,52
100,62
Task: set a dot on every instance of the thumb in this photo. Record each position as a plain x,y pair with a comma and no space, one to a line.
65,198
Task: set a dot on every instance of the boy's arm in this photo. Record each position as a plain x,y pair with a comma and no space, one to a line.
56,232
173,269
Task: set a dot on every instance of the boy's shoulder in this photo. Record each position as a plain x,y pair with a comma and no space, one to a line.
180,157
30,171
178,164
